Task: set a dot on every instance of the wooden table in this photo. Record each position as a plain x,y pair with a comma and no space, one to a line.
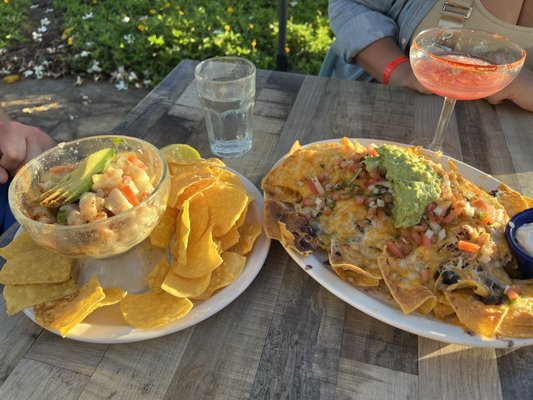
286,336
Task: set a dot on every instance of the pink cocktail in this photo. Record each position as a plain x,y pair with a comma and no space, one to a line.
461,64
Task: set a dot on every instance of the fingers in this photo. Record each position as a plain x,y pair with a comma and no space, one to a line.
3,176
12,147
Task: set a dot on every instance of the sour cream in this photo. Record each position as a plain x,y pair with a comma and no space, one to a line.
524,236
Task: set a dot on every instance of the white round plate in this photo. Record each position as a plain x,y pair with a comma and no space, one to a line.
106,324
374,306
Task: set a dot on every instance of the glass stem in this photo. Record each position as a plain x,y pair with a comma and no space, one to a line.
445,114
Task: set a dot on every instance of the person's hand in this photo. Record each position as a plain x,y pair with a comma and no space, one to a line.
403,76
519,91
19,143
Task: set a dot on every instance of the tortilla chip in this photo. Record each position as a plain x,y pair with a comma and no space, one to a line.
248,233
225,274
64,314
409,296
21,297
482,319
165,229
156,277
184,287
512,201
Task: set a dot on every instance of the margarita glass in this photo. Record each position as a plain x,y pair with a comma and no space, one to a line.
463,64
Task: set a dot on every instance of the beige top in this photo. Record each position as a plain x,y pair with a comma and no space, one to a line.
484,20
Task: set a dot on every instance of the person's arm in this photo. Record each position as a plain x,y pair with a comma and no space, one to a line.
365,34
519,91
375,58
19,143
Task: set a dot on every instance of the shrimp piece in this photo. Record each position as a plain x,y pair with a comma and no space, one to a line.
116,202
140,178
74,218
90,206
43,214
107,181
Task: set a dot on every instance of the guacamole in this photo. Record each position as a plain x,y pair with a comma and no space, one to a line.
415,184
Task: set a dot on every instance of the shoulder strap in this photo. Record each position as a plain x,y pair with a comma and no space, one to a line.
454,13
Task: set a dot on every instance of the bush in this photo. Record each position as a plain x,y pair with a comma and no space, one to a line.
140,41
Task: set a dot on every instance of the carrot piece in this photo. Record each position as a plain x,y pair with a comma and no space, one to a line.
132,158
130,196
468,246
511,294
395,250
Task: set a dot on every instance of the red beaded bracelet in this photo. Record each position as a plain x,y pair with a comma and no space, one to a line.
391,66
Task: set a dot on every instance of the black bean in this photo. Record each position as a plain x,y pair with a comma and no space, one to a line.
450,277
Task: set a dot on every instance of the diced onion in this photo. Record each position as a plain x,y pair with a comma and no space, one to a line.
380,203
438,211
442,234
484,259
429,233
435,227
318,185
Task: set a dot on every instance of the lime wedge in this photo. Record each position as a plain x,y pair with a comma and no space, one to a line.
179,151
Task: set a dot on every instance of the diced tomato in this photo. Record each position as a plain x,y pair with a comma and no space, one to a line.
381,213
327,211
394,250
307,202
426,241
372,151
360,200
468,246
375,174
511,294
128,193
425,275
454,213
417,237
312,187
132,158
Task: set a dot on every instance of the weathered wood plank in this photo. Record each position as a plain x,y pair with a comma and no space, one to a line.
449,371
68,354
138,370
357,380
17,334
367,340
301,352
223,354
514,367
35,380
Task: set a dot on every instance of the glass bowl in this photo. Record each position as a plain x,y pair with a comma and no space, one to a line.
98,239
524,260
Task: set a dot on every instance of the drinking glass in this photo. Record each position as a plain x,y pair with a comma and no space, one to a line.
226,87
463,64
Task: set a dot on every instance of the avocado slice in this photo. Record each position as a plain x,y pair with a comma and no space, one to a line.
80,180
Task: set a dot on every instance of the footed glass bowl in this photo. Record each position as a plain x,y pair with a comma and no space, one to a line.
98,239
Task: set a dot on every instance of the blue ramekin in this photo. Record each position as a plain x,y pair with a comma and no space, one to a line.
525,261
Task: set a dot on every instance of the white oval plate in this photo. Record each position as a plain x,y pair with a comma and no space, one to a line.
106,324
366,302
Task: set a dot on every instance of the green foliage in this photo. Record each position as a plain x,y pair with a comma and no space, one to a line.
142,40
13,17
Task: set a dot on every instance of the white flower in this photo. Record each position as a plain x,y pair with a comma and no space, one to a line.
125,18
79,81
38,37
45,21
27,73
293,3
3,50
132,76
217,31
146,82
129,38
42,29
87,16
49,10
121,85
34,6
95,67
84,53
39,69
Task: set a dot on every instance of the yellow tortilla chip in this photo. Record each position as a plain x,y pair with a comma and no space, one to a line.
19,245
112,296
151,310
165,229
183,228
21,297
409,295
355,278
248,233
199,216
64,314
28,263
512,201
156,277
226,203
482,319
183,287
202,258
229,270
230,239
